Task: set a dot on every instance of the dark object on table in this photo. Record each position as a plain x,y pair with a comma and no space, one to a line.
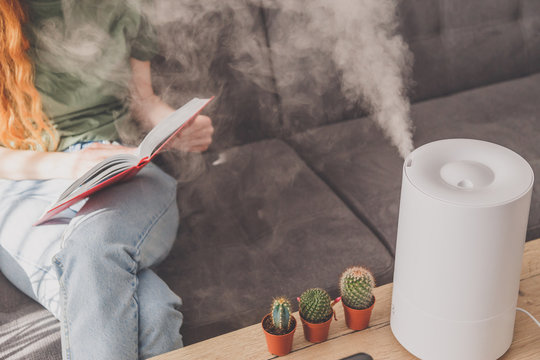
359,356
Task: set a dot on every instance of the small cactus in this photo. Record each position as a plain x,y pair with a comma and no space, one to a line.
356,285
280,315
315,306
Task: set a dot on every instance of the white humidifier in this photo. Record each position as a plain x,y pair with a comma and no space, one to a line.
462,225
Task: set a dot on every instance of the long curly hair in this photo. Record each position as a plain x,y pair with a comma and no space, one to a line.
23,125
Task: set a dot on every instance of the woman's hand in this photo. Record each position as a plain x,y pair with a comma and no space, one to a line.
83,160
196,137
150,110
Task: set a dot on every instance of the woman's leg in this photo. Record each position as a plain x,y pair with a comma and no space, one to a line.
26,251
159,316
118,233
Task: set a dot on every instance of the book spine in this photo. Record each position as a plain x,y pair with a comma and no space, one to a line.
145,160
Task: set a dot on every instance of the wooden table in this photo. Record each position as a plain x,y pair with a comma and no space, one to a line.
377,340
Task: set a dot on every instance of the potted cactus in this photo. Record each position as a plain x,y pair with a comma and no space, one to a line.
279,327
356,285
316,314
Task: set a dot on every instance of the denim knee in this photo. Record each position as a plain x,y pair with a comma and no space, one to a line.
141,210
160,318
161,330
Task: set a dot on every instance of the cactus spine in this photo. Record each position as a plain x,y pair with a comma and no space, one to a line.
281,315
315,306
356,285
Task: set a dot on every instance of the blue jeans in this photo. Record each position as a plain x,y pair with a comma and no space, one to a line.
91,267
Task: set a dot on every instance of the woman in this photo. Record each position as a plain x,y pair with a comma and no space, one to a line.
61,93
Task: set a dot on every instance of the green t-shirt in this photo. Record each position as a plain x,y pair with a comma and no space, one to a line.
81,51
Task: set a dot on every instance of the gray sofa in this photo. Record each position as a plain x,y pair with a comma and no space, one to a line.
300,193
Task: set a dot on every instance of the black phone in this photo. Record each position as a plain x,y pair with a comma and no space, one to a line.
359,356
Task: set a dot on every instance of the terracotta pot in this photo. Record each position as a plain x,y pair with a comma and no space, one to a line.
357,319
279,344
316,333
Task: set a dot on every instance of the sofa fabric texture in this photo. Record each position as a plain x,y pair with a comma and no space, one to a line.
290,195
27,330
219,48
460,44
268,226
366,172
454,44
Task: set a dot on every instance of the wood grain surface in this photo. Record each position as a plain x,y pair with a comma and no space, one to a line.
377,340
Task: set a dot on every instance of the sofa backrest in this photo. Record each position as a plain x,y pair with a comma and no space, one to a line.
308,81
235,49
462,44
218,48
456,45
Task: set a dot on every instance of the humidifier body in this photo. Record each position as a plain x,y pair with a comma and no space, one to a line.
461,232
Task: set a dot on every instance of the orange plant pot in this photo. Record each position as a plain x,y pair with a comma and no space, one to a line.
316,333
357,319
279,344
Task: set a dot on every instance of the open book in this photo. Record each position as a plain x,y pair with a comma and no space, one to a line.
124,166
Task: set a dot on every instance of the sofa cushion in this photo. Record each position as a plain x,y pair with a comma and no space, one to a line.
533,230
362,167
257,226
27,330
506,113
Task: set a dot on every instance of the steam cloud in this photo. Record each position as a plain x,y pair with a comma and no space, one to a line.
361,38
376,63
372,60
379,67
359,35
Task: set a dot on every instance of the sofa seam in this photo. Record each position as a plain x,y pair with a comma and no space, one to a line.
277,96
359,216
526,45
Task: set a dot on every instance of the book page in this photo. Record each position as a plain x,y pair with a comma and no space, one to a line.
114,170
102,171
168,126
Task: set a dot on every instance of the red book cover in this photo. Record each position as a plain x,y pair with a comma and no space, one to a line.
123,167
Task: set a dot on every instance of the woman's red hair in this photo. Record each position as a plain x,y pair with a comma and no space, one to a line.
23,125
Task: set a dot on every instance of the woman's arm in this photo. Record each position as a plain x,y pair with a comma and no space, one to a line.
150,110
37,165
26,164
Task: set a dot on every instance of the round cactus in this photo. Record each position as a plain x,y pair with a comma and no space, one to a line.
356,285
280,314
315,306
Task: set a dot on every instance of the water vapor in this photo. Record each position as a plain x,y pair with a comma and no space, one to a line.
376,64
357,40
